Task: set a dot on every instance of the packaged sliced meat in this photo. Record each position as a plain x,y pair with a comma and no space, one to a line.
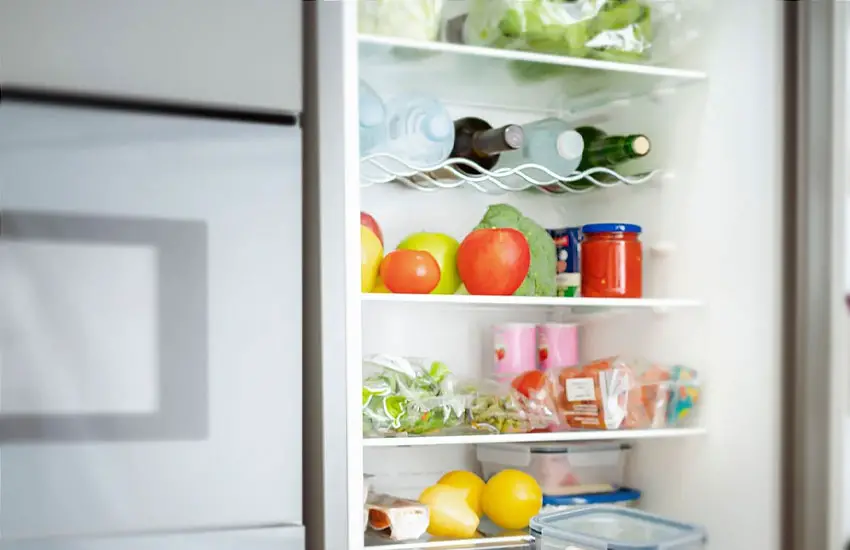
400,518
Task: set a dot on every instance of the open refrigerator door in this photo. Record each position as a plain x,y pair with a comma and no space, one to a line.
569,283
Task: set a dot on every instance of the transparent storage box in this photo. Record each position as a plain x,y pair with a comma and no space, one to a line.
613,528
560,468
622,497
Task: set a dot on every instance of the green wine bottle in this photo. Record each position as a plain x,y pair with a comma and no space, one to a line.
608,151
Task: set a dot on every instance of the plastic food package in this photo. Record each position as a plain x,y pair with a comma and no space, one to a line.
499,408
560,468
614,30
413,19
403,395
402,518
612,394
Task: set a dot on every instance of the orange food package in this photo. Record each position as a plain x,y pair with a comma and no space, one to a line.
612,394
594,396
648,399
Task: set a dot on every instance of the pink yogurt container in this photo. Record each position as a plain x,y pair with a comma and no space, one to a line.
514,349
557,345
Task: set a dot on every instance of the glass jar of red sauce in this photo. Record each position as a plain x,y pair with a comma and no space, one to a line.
611,261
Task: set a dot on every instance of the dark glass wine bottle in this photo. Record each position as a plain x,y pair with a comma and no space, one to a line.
477,141
608,151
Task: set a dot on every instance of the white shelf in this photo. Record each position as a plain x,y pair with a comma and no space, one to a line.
569,86
600,435
656,304
373,540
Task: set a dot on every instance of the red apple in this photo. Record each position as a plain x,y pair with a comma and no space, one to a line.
493,262
368,221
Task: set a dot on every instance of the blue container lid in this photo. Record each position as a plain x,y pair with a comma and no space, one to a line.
623,494
617,528
611,228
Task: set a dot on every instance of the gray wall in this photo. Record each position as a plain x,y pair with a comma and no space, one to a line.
244,53
150,330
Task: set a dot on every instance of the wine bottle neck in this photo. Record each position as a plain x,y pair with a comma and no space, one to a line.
497,140
612,150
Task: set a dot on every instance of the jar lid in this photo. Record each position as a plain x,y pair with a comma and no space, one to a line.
611,228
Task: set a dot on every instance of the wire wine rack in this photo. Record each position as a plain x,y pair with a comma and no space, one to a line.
383,167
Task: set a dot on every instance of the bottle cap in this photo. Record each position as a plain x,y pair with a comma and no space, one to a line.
641,145
438,127
513,136
570,144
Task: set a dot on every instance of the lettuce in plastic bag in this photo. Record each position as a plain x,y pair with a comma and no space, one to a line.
612,30
411,396
540,280
413,19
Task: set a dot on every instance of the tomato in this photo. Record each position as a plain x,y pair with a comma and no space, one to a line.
410,272
493,262
529,383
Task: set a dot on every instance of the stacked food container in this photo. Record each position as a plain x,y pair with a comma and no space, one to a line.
569,474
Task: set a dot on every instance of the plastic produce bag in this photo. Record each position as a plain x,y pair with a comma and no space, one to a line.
413,19
403,395
614,30
612,394
498,407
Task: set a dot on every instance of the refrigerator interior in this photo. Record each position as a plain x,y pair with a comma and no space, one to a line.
711,236
149,327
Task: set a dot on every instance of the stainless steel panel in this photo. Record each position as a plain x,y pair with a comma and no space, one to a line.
150,367
816,377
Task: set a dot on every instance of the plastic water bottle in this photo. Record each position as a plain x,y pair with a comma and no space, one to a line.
550,142
373,119
420,132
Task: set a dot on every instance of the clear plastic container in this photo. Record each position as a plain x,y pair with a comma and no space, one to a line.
560,468
622,497
613,528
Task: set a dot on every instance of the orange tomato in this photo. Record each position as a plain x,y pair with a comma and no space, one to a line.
410,272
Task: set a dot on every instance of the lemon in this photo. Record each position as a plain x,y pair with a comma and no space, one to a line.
371,254
380,287
511,498
449,514
466,480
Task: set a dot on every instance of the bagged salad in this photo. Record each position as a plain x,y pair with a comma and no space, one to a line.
524,404
407,395
412,19
613,30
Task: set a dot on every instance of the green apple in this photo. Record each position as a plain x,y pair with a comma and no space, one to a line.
444,250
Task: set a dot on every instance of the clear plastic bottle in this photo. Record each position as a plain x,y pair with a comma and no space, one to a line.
373,119
420,132
549,142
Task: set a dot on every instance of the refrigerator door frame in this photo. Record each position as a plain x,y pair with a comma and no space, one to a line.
815,315
332,426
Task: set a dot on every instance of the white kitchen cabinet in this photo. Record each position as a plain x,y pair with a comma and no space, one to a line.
220,53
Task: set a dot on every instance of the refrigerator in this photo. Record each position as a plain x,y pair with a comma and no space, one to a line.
743,242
